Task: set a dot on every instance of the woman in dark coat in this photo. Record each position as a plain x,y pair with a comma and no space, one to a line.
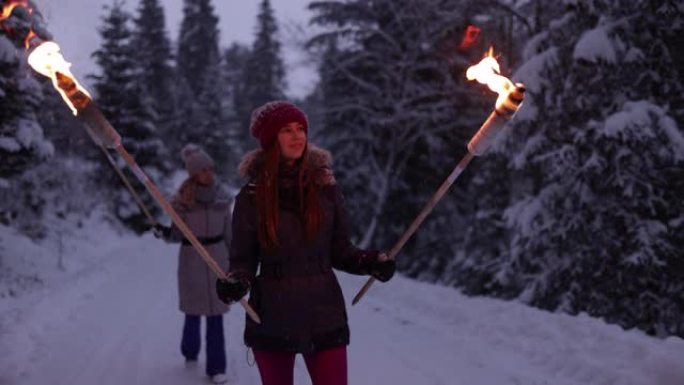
205,207
290,231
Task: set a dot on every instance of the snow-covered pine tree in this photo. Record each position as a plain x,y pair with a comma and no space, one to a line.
396,117
600,146
22,142
197,42
234,61
127,106
62,190
330,87
477,256
211,118
239,141
264,71
202,119
61,127
154,58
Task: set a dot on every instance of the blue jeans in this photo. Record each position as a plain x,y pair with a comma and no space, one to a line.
216,349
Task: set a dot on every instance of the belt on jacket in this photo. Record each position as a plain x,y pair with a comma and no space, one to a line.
281,270
205,240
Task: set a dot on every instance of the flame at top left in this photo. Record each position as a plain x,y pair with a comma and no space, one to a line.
47,60
22,24
8,8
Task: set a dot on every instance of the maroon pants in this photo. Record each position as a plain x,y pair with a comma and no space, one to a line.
327,367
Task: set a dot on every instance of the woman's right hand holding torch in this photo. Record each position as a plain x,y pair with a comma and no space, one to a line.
232,288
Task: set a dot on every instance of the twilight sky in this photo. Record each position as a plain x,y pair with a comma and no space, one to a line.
74,25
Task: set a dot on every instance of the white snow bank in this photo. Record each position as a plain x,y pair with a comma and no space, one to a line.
117,323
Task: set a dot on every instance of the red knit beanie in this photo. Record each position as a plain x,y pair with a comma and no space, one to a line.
268,119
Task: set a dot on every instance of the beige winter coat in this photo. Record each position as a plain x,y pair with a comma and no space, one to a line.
210,220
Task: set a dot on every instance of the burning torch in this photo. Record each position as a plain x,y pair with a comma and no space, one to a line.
511,96
47,60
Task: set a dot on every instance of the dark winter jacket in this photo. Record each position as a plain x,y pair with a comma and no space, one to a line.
209,218
296,293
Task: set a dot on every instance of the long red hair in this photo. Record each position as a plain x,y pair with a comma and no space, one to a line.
267,201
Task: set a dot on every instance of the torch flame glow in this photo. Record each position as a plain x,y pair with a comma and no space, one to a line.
487,72
470,37
27,41
7,9
48,61
7,12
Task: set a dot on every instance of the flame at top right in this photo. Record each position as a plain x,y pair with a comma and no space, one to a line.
487,71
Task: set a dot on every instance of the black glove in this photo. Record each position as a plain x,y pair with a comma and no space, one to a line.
383,268
232,288
160,231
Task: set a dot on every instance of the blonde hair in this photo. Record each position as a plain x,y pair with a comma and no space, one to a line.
186,192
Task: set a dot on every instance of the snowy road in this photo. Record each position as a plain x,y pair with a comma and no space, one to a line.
118,323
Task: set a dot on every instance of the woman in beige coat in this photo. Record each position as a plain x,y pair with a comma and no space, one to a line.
205,207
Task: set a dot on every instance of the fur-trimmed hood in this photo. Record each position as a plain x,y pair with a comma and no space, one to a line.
319,160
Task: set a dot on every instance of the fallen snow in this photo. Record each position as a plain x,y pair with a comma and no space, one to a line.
595,45
110,317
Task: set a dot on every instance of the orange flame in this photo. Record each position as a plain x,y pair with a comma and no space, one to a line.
470,37
487,72
47,60
27,41
8,8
